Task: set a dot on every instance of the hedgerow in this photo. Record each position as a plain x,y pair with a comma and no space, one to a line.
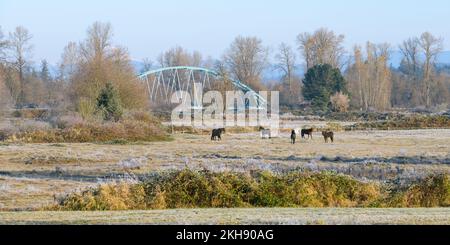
191,189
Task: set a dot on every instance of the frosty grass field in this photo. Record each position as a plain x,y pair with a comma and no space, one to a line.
33,175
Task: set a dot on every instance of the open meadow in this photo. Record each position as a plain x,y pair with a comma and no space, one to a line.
33,176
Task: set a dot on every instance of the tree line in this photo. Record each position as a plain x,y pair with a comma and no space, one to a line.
334,78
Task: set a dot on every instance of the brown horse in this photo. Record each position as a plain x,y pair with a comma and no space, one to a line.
308,132
328,135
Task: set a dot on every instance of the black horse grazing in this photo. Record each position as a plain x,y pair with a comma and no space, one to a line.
308,132
328,135
217,134
293,136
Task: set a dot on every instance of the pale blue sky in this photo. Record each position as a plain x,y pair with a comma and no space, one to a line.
149,27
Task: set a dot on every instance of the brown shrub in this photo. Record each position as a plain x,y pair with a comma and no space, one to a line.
434,191
126,130
31,113
189,189
412,122
340,102
120,196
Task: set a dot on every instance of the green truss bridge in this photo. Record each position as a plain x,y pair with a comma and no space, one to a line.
162,83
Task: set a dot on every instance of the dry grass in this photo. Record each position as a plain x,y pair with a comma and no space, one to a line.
261,216
95,132
31,194
133,127
237,152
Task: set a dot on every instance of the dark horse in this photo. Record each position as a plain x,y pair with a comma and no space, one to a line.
328,135
293,136
217,134
308,132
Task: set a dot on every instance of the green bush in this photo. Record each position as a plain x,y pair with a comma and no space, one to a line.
108,103
320,83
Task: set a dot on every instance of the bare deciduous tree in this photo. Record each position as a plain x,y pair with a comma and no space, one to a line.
246,59
69,61
411,50
98,41
20,47
369,78
418,65
3,46
321,47
225,84
286,63
178,56
5,97
290,87
431,47
147,65
98,62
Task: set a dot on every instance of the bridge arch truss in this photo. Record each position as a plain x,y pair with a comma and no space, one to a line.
162,83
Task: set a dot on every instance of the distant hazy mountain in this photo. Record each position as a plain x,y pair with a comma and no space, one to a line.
137,65
442,59
52,69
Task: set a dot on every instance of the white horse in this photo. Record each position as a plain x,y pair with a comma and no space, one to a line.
266,134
